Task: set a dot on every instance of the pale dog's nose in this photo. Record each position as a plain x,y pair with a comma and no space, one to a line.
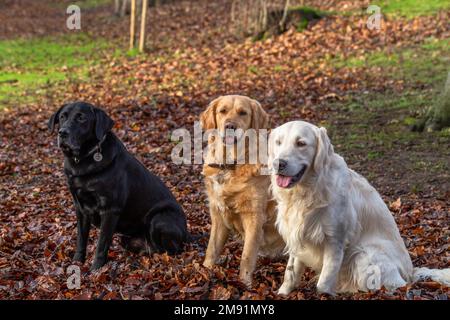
279,165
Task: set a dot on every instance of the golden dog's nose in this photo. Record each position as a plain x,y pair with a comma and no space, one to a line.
230,126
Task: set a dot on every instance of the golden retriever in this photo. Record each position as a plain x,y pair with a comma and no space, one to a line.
333,220
239,200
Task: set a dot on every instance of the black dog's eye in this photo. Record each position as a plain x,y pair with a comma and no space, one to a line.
63,117
242,113
81,118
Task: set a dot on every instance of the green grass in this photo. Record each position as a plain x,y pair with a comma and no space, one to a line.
45,53
88,4
278,68
29,65
412,8
378,124
399,8
254,70
417,63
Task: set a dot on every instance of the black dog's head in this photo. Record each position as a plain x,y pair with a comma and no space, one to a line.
81,127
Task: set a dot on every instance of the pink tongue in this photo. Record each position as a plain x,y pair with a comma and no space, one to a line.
283,181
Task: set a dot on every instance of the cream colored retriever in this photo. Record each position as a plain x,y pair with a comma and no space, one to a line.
238,194
333,220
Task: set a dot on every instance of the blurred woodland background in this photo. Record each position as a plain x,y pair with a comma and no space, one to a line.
382,93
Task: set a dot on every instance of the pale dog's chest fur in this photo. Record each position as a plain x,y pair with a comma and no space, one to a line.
303,233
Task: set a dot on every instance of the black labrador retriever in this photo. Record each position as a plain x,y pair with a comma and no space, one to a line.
112,189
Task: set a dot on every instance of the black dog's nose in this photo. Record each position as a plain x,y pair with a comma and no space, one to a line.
63,132
279,165
230,126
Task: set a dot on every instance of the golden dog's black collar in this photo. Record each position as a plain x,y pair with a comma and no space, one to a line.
223,166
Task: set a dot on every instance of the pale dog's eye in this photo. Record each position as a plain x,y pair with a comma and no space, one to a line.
278,142
300,143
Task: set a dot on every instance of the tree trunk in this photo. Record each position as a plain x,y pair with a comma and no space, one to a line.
233,11
123,10
132,24
143,25
117,7
285,13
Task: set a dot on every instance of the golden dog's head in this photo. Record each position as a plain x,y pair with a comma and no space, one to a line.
232,115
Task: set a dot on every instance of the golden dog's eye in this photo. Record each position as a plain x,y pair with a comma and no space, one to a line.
301,143
242,113
223,111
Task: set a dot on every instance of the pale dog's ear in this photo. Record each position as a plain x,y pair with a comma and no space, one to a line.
260,118
324,150
208,117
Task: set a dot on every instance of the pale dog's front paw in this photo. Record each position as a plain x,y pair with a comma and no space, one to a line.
285,289
324,288
246,278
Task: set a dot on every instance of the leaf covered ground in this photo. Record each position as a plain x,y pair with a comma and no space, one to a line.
365,86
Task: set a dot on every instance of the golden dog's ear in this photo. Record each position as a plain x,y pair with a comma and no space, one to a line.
260,118
208,117
324,150
270,148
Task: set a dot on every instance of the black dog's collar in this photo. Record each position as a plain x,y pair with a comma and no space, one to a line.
97,151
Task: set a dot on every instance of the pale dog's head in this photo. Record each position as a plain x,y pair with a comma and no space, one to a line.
297,149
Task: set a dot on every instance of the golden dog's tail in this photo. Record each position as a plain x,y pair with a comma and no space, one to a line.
439,275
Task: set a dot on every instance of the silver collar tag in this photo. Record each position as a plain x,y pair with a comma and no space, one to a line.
98,156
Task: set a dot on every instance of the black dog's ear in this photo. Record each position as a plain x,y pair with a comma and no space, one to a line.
54,119
103,123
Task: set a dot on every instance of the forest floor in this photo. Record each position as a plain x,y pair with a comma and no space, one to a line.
365,86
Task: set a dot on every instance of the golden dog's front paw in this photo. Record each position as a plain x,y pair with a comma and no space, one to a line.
247,282
208,264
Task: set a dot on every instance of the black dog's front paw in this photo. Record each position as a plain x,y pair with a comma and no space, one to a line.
79,257
97,264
